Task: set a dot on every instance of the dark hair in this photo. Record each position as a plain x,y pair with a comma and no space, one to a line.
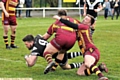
92,19
28,38
62,12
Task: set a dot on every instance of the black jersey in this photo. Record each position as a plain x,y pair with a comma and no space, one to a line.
91,5
38,46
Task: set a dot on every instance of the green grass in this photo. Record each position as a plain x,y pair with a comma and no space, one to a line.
106,38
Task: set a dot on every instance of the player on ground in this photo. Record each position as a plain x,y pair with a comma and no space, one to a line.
37,46
91,54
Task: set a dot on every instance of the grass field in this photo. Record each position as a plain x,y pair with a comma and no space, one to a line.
106,38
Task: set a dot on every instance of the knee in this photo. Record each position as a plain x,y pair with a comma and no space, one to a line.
87,64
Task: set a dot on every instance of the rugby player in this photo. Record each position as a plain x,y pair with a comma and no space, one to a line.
37,46
63,40
9,21
91,54
92,7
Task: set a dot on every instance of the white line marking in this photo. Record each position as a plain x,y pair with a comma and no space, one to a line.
8,60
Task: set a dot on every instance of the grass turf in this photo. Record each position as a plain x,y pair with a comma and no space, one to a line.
106,38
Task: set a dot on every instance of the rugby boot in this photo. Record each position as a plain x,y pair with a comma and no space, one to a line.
103,67
49,67
8,47
13,46
103,78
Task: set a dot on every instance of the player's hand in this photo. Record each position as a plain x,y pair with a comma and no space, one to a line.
6,14
56,17
84,14
95,10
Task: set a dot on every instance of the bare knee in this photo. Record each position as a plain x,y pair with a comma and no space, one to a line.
87,65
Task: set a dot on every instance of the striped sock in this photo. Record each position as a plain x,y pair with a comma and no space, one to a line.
74,54
75,65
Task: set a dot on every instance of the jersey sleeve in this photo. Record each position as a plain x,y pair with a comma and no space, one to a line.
35,51
52,29
82,27
69,24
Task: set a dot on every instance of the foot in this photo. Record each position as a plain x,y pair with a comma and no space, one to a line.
103,78
13,46
104,67
8,47
49,67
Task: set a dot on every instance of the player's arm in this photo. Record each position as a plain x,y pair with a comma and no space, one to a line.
46,36
100,7
49,33
30,60
66,22
3,8
84,9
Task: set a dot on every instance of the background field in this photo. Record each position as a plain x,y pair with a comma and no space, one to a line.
106,38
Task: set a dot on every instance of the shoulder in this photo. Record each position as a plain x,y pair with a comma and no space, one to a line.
83,26
3,1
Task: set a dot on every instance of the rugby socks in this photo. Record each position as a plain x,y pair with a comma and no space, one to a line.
88,72
101,68
75,65
74,54
55,66
6,40
12,40
48,57
96,70
92,31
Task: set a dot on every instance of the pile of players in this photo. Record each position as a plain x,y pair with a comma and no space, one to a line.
68,30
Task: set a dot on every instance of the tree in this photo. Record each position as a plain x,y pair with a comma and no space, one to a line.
52,3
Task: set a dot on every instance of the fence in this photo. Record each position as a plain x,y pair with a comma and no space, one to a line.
51,9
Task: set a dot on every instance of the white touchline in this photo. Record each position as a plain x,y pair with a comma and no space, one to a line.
8,60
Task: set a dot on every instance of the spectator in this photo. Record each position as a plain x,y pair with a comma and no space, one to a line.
119,7
112,7
106,8
20,5
116,9
28,4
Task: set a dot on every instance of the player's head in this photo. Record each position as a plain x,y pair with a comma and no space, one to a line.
62,12
89,20
28,40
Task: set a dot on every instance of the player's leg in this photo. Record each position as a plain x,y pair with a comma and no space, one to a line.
90,62
73,54
30,60
13,36
92,29
62,60
48,52
5,35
